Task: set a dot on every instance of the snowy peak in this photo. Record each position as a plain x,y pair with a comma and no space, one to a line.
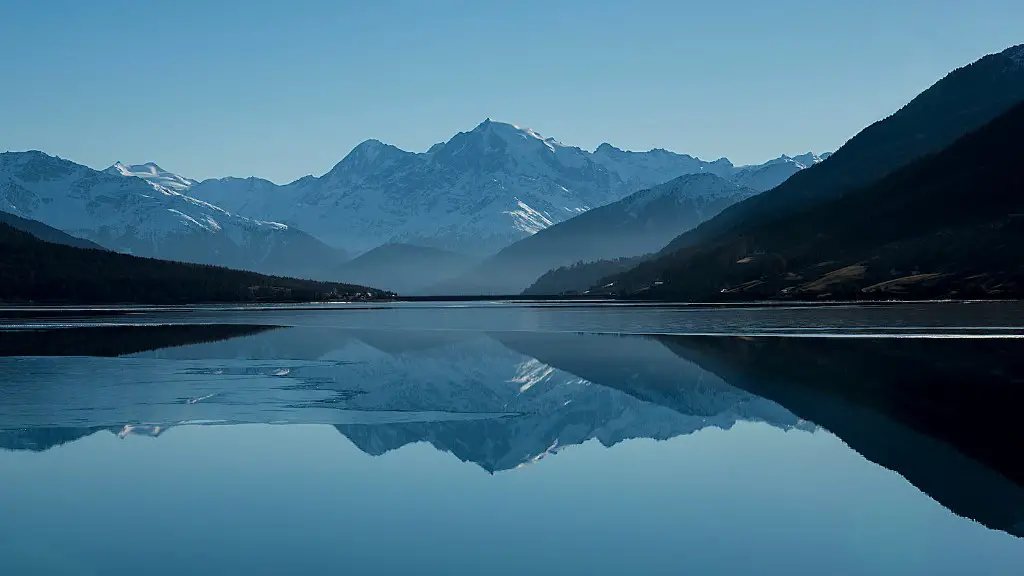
513,133
807,160
492,144
121,211
475,193
367,157
154,174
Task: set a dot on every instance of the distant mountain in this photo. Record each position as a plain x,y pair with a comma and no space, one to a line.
766,176
144,218
475,194
32,270
948,225
963,101
403,268
46,233
642,222
153,174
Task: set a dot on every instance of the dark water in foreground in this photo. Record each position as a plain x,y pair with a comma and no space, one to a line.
514,439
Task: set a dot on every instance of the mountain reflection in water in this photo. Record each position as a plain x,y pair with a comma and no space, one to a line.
940,412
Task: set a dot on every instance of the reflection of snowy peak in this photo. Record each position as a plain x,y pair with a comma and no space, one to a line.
476,193
145,218
465,393
544,408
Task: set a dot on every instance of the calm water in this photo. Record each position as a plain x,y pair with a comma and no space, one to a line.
503,439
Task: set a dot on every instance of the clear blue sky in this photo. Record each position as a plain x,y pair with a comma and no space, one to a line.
283,89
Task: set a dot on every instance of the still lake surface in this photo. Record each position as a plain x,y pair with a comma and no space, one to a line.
513,438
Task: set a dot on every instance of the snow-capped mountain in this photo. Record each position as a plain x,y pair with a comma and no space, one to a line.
641,223
153,174
146,218
766,176
476,193
641,170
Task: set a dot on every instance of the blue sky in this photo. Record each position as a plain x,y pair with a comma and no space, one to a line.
283,89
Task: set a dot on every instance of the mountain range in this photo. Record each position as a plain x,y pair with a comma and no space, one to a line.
144,218
56,271
640,223
474,194
471,195
907,160
494,209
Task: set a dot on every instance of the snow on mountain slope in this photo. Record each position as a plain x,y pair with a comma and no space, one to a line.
638,224
476,193
140,217
153,174
766,176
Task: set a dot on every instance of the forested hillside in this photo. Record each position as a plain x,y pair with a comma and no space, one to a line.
35,271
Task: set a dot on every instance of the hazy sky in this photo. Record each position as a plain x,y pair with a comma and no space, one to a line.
282,89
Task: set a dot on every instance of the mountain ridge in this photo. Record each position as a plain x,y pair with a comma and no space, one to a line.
640,223
133,215
959,103
475,193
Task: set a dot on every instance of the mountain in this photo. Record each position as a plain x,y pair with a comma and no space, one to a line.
46,233
153,174
476,193
766,176
32,270
963,101
640,223
580,277
403,268
135,216
948,225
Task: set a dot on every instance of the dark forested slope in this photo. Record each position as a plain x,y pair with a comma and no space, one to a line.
948,225
963,101
32,270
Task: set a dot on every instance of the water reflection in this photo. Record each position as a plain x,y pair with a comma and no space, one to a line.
941,413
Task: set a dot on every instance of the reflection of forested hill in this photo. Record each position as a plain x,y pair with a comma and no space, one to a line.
944,413
116,340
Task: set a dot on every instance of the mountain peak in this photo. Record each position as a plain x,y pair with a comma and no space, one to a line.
606,149
369,154
151,172
509,131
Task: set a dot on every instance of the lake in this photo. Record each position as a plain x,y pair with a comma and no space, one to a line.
511,438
